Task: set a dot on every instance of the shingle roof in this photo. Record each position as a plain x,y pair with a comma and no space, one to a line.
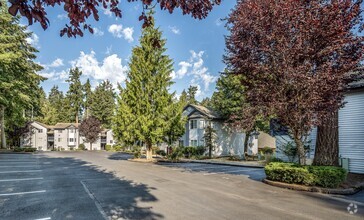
64,125
205,111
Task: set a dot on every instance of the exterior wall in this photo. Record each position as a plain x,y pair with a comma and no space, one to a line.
95,146
36,137
351,131
110,138
60,139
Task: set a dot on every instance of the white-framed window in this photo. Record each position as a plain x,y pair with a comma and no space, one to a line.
201,124
59,139
193,124
194,143
40,130
71,140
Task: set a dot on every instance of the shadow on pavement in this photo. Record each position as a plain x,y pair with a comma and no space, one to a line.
120,156
68,183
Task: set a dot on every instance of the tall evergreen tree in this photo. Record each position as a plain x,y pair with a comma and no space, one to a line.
183,98
191,95
145,100
57,110
176,122
87,98
74,94
102,103
19,83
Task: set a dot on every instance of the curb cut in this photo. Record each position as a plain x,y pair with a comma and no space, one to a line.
213,162
350,191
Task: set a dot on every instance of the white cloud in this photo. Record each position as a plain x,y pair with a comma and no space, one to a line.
118,31
56,63
108,50
62,16
33,40
98,32
218,22
174,29
110,68
195,67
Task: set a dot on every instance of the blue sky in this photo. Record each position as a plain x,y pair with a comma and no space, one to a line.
196,47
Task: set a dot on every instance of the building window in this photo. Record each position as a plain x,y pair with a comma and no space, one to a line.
193,124
180,143
72,131
71,140
40,131
59,139
201,124
110,141
194,143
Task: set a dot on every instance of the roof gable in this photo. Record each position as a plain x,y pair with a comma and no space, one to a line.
190,110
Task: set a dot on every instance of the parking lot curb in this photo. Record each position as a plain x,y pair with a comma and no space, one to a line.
350,191
213,162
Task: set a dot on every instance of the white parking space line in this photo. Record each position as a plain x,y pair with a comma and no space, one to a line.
26,179
22,193
21,171
97,204
48,218
19,166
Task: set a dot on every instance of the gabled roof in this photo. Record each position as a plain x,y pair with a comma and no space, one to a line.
43,125
65,125
209,113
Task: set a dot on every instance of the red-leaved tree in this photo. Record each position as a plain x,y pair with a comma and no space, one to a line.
296,57
78,11
90,128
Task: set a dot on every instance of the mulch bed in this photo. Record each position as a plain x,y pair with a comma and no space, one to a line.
353,181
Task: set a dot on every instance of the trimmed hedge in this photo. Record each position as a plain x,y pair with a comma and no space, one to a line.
25,149
324,176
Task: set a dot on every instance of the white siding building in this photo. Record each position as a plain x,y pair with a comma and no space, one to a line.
228,142
351,131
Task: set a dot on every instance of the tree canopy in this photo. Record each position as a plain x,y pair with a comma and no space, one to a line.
296,58
79,11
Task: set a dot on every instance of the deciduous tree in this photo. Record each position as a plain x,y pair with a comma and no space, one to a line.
79,11
295,57
90,128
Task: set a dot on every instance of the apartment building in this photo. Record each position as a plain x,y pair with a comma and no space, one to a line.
62,136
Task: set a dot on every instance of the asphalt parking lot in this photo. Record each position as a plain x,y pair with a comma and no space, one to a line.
213,169
104,185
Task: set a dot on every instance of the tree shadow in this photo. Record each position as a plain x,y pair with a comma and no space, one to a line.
75,189
120,156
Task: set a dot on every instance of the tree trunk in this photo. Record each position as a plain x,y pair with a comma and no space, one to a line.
300,150
210,151
149,150
2,119
77,117
246,142
327,142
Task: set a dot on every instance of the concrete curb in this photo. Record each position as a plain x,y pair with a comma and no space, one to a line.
297,187
213,162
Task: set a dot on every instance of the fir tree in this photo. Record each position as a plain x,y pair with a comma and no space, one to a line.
102,103
191,95
19,83
87,97
145,101
74,94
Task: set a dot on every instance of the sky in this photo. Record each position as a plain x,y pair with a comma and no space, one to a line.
195,46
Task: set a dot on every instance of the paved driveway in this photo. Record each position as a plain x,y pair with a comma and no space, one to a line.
100,185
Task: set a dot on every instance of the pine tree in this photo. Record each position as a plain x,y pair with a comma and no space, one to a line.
57,109
19,83
210,138
87,97
206,102
145,101
102,103
183,98
74,94
176,121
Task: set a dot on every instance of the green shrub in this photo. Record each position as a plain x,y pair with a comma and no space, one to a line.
117,148
176,154
273,159
161,153
324,176
30,149
18,149
234,158
200,150
108,147
82,147
137,154
328,176
267,150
